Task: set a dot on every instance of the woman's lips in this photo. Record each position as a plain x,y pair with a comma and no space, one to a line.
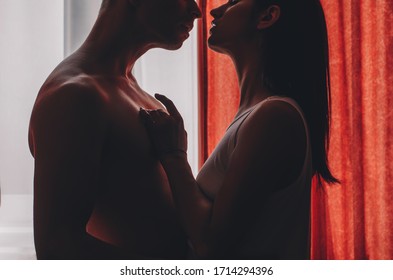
213,25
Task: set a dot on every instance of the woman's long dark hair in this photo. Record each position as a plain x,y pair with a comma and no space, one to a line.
297,65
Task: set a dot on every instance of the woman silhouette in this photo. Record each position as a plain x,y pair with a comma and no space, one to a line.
251,199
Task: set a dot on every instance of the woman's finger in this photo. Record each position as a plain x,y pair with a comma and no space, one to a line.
158,116
172,110
144,114
161,112
147,117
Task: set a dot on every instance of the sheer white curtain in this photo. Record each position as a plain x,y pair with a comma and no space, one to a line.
36,36
31,45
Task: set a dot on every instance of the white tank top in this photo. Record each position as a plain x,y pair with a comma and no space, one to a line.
281,230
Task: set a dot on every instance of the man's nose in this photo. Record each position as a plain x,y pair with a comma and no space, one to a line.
195,10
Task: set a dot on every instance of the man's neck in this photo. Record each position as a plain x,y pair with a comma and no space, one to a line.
113,46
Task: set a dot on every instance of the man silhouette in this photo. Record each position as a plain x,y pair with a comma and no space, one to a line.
99,193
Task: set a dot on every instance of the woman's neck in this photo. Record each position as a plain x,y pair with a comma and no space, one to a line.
249,69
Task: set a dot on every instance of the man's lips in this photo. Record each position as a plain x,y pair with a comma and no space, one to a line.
187,26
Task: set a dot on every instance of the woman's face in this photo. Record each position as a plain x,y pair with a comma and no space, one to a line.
168,22
234,24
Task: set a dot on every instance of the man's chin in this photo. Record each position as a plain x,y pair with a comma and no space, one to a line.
173,46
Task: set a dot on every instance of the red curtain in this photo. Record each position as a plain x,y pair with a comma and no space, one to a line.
353,220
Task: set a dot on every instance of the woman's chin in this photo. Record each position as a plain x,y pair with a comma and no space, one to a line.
214,46
210,43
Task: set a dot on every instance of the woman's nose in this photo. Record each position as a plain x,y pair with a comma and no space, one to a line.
216,13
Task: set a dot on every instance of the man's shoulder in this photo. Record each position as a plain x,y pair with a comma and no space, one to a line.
60,89
69,99
64,106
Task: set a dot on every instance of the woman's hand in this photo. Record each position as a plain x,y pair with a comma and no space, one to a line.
166,131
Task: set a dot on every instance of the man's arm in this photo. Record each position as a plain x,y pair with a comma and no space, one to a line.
67,133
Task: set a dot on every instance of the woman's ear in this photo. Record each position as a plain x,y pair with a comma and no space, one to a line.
268,17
